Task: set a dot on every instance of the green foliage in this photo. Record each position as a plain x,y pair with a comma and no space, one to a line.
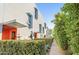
59,31
69,27
48,43
72,25
24,47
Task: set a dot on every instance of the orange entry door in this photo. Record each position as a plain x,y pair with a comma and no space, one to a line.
13,35
35,35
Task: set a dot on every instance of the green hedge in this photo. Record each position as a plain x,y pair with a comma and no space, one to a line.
71,12
66,30
59,31
47,42
23,47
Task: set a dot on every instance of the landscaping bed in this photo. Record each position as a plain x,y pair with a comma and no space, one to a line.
25,47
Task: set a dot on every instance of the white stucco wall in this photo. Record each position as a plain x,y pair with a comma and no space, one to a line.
11,11
0,31
1,13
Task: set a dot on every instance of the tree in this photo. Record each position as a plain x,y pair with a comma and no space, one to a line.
67,26
72,25
59,31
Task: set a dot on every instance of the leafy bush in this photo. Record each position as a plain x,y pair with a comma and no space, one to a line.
59,31
48,43
23,47
72,24
66,30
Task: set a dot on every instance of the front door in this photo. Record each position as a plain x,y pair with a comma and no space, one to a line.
13,35
35,35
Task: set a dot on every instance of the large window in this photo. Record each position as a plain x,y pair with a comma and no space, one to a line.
30,20
36,13
45,25
40,28
43,29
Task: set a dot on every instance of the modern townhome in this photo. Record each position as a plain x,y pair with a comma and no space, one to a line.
21,21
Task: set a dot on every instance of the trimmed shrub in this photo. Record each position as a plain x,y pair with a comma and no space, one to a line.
66,30
23,47
49,42
72,25
59,31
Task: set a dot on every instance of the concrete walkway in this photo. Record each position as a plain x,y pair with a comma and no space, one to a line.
55,50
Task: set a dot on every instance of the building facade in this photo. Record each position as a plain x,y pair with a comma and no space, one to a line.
20,21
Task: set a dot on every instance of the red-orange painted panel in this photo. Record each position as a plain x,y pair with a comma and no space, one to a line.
7,32
35,35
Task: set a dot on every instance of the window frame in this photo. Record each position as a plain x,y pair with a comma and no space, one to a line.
30,20
40,28
36,13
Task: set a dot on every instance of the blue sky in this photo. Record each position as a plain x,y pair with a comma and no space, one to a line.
48,11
